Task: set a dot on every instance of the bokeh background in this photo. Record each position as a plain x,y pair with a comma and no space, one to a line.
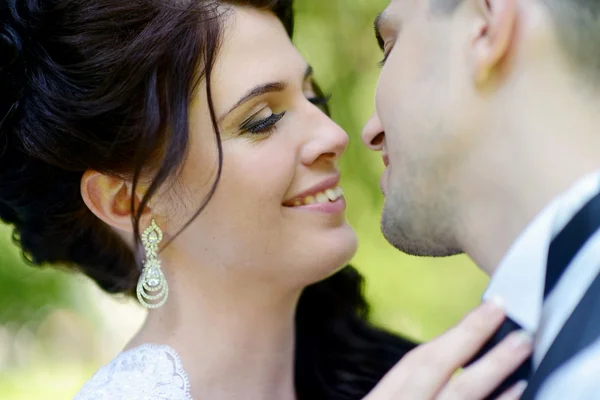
56,328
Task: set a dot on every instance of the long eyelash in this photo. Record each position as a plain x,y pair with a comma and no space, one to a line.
381,63
265,125
321,100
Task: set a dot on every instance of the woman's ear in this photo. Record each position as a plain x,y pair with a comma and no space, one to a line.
109,198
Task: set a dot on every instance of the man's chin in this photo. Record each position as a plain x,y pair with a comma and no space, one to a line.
392,227
399,233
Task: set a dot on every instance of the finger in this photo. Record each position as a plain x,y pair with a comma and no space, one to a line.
424,371
515,392
482,377
461,343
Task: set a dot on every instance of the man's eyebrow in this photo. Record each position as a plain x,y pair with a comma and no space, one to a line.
377,25
259,90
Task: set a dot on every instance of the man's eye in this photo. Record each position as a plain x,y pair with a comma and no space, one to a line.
382,62
386,53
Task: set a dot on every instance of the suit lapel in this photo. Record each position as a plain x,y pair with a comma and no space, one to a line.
581,329
583,326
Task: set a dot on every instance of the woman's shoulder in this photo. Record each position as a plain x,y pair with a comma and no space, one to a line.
145,372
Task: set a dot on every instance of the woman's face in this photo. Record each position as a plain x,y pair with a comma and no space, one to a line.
276,214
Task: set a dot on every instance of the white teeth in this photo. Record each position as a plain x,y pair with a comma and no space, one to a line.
321,197
331,194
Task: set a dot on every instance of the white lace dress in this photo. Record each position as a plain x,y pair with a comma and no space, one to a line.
147,372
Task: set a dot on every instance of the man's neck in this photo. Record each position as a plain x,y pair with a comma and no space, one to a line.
541,158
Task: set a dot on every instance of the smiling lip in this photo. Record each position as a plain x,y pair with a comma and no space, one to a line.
328,183
333,207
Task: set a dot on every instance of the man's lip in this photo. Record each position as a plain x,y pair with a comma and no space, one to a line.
383,182
325,184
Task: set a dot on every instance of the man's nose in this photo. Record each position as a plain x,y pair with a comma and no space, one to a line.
372,134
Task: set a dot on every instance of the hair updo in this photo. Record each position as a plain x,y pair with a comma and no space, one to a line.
102,85
106,85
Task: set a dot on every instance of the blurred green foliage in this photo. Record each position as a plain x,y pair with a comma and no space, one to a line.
28,293
419,297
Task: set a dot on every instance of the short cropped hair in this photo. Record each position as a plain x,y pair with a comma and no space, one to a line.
577,25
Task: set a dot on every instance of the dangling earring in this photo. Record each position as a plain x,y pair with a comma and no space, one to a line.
152,284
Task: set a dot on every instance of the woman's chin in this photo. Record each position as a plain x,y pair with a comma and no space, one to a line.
327,255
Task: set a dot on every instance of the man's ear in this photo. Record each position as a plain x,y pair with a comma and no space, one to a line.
109,198
493,36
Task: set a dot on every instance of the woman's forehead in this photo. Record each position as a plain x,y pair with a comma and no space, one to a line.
255,50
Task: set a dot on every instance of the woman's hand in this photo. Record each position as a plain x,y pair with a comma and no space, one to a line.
428,372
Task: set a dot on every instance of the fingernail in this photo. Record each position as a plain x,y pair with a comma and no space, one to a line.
519,388
520,340
498,301
493,307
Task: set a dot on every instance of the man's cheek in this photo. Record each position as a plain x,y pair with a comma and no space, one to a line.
384,101
388,110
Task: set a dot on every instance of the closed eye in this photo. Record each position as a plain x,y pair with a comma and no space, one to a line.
386,54
261,126
381,63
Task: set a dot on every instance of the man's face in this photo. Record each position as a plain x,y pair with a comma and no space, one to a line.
419,125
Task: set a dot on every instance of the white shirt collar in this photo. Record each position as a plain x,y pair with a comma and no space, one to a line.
519,279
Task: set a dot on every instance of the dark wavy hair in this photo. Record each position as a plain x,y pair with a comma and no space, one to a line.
106,85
